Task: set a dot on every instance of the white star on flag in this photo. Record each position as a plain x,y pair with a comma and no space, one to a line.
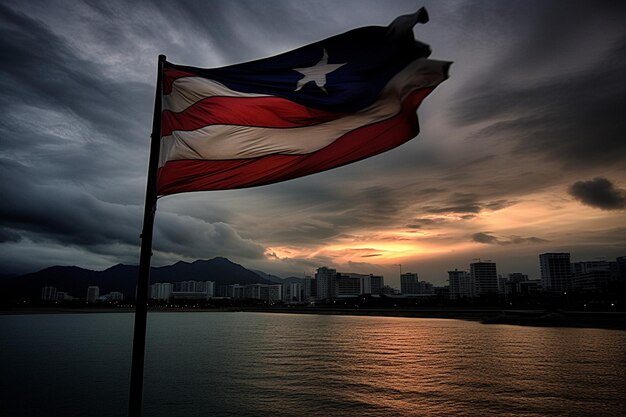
317,73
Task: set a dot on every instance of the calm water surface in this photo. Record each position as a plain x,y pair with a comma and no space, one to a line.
254,364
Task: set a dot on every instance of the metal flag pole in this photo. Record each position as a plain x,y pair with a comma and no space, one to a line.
143,280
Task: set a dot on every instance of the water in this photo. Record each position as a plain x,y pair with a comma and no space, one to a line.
254,364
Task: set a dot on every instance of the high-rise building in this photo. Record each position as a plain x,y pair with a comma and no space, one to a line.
349,284
460,285
409,283
376,284
556,271
517,277
115,296
621,267
579,268
325,278
293,292
274,292
63,296
310,288
209,288
93,292
485,277
161,291
48,293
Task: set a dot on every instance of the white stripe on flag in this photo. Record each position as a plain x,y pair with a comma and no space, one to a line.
187,91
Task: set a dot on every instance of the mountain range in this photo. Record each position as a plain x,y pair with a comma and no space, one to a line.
123,278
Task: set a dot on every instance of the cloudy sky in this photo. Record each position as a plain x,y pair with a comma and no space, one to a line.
522,150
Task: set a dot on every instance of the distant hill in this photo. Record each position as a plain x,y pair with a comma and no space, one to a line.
123,278
278,280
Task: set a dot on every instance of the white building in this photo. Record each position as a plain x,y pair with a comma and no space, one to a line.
48,293
293,292
274,292
115,296
161,291
325,279
209,288
93,293
63,296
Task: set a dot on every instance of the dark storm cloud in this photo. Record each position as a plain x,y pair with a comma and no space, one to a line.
67,122
196,239
70,216
490,239
559,93
484,238
600,193
45,70
425,223
8,235
63,214
467,203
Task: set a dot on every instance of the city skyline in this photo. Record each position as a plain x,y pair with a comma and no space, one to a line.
521,151
587,283
565,269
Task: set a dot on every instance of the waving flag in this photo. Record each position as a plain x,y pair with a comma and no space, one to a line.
318,107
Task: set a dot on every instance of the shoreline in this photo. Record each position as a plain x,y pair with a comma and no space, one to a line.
537,318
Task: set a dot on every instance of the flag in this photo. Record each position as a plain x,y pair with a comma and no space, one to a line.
318,107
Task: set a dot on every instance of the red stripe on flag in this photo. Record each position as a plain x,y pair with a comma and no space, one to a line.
273,112
203,175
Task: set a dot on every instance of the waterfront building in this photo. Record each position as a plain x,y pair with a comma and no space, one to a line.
294,292
348,284
63,296
579,268
115,296
161,291
325,279
517,277
209,289
519,287
310,288
376,284
48,293
506,284
594,280
409,283
484,277
621,267
93,293
274,293
460,285
190,286
254,291
187,296
556,271
387,290
425,288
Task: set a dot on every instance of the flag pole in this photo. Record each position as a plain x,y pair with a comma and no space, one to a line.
143,280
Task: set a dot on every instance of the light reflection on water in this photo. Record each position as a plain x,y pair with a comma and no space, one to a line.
253,364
